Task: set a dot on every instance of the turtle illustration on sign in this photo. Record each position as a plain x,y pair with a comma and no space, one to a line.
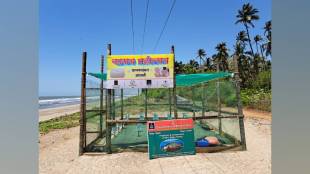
171,145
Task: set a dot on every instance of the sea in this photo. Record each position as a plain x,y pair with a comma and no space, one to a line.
59,101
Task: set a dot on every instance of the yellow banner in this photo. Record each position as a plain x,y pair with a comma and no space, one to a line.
140,71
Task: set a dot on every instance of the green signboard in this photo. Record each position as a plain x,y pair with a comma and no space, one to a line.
170,138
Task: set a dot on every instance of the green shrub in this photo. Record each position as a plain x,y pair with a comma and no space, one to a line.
262,81
256,99
62,122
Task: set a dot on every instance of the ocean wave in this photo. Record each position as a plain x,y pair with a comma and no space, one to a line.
58,101
65,100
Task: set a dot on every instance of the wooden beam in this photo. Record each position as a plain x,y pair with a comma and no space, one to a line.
122,104
219,98
98,132
82,143
126,121
193,100
145,103
113,103
175,110
136,120
96,110
231,147
101,97
240,110
215,117
108,127
204,98
170,108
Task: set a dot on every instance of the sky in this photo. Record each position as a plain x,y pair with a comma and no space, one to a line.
69,27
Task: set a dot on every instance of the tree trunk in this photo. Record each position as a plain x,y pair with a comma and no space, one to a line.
249,39
263,58
256,66
256,47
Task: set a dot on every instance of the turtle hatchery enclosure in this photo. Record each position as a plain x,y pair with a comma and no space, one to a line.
114,119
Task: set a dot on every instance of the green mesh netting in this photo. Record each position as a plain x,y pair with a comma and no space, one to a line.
183,79
193,100
194,79
99,75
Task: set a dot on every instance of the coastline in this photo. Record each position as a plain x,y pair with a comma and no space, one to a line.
49,113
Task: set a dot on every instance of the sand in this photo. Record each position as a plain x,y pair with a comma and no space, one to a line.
59,154
49,113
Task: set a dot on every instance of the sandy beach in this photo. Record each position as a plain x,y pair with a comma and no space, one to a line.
49,113
59,153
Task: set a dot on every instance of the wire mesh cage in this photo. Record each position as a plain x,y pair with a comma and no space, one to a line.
94,113
213,106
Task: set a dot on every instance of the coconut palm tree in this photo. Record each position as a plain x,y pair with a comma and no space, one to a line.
246,16
267,33
268,48
244,66
267,27
222,56
213,62
201,53
242,37
208,63
179,67
193,64
257,39
256,62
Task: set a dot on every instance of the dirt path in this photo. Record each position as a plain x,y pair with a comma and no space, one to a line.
252,113
59,154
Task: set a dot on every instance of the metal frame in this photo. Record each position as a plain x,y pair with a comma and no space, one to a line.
109,109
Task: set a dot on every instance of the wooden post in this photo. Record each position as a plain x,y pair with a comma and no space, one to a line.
204,97
108,126
101,98
145,103
170,109
83,106
113,104
240,111
219,99
122,104
175,110
193,105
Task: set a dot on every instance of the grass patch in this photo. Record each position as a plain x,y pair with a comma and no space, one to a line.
62,122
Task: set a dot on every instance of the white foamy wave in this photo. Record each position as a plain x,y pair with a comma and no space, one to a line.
58,101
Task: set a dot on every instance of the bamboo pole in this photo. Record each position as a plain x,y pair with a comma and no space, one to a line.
82,143
204,97
175,110
122,104
170,102
132,121
193,100
240,111
108,127
101,97
145,103
219,99
113,104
